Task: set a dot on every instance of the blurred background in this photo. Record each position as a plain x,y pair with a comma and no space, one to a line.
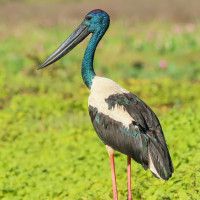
48,147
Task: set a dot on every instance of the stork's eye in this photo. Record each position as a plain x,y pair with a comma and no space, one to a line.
88,18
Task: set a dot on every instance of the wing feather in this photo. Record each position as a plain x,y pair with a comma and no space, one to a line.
149,125
127,140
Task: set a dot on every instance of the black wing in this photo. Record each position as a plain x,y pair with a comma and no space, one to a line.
149,125
128,141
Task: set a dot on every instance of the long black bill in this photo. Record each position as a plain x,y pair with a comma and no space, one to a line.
76,37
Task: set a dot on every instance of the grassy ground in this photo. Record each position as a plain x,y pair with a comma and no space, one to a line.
48,148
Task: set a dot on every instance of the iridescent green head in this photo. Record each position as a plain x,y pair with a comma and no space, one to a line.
97,20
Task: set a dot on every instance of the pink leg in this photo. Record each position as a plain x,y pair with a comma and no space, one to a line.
113,177
129,177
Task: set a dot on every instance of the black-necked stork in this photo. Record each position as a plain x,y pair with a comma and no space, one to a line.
122,121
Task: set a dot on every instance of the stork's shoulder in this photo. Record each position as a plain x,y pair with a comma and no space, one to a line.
108,96
106,87
102,89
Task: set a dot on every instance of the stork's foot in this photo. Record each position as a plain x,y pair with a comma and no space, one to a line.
129,198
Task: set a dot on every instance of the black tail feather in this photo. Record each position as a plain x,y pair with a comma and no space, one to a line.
159,155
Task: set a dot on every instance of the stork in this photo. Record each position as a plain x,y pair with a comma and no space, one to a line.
122,121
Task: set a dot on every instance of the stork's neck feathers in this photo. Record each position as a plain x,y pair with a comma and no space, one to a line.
87,70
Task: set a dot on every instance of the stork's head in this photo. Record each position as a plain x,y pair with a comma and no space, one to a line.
97,21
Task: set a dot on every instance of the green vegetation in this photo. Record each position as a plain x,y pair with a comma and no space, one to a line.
48,148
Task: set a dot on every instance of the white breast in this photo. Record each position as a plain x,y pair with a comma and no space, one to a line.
101,89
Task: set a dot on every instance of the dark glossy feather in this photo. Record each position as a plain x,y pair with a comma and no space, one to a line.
129,141
144,136
149,123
